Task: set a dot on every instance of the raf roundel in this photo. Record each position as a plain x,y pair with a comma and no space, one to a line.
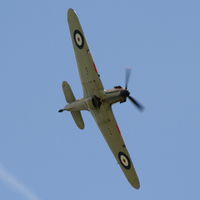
124,160
79,39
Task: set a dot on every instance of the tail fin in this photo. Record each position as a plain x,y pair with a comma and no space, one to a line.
69,96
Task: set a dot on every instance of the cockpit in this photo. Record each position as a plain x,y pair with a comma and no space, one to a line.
118,87
114,90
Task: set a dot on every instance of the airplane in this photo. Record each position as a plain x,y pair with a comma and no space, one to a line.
97,100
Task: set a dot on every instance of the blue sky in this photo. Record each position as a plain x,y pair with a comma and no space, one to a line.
43,155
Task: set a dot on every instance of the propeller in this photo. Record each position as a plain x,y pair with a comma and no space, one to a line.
136,103
126,93
127,77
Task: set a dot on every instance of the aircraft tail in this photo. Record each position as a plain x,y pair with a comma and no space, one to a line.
69,96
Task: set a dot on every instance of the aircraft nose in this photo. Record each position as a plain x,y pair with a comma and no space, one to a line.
124,93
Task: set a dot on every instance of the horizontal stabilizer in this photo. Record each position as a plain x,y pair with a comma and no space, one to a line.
78,119
69,96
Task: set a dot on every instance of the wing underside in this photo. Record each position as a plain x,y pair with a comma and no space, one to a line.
87,69
111,132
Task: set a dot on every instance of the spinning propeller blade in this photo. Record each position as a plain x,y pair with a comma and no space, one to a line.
127,78
136,103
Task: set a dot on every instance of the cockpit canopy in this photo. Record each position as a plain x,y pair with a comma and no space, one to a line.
118,87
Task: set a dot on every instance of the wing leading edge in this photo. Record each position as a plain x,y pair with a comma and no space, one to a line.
91,82
110,130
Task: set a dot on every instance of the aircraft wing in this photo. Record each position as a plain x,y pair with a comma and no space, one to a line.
91,82
111,132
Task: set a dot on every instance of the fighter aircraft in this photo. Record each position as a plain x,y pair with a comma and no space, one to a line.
97,100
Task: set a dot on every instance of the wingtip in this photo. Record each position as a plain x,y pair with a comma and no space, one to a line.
70,12
135,184
134,181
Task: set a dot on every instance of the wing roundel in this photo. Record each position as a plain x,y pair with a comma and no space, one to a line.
78,39
124,160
